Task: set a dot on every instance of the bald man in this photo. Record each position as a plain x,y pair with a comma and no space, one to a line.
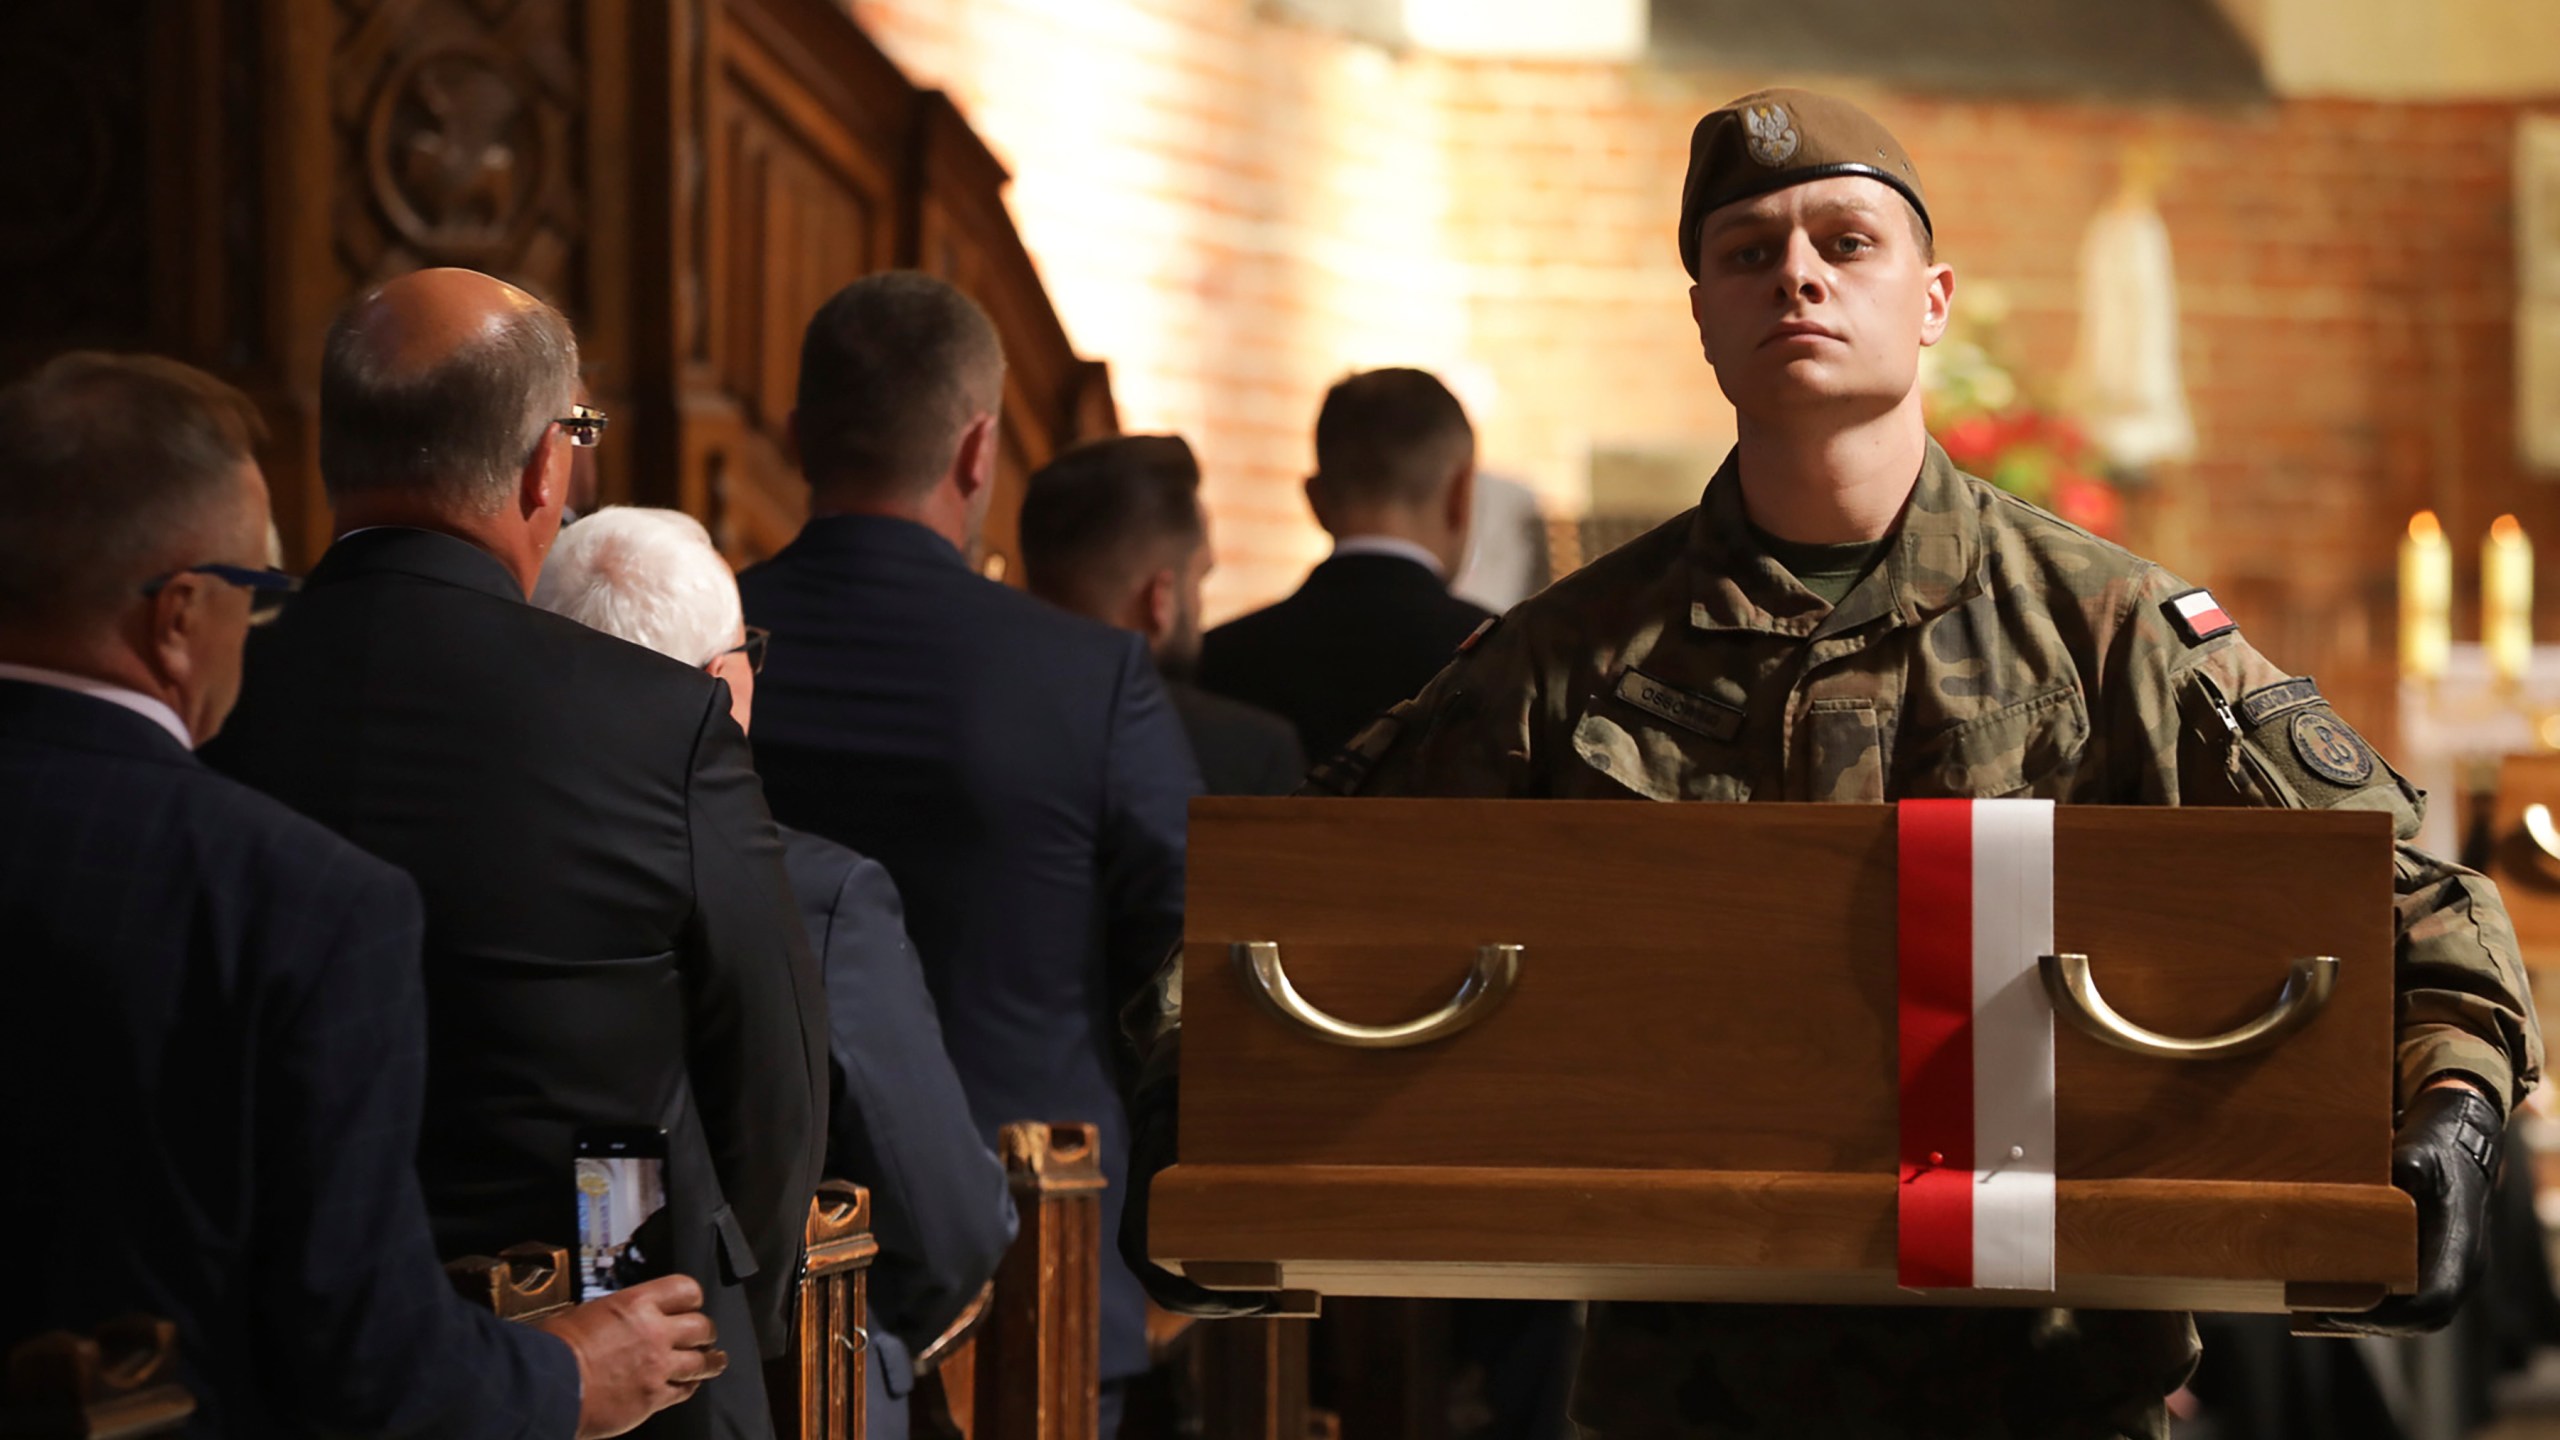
610,938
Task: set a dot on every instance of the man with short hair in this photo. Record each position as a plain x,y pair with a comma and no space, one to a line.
1846,617
213,1050
1113,529
611,940
1016,768
1394,485
941,1207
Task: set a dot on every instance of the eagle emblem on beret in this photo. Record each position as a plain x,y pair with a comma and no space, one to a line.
1769,133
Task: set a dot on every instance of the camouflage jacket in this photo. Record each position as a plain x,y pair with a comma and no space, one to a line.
1993,651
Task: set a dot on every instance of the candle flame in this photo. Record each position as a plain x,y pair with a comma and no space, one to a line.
2423,526
2505,530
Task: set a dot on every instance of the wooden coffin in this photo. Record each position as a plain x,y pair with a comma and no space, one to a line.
1689,1090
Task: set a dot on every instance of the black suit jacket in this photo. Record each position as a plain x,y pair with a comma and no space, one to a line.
1241,749
940,1206
1019,772
211,1058
1363,632
610,936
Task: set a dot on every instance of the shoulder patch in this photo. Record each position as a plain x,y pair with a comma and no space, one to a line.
2198,616
1704,714
2333,750
1477,636
2283,697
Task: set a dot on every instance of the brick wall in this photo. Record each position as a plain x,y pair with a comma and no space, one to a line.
1233,211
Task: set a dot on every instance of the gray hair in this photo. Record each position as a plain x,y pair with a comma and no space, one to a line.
109,466
458,432
651,577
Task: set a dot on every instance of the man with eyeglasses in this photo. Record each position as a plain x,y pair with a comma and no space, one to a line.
940,1205
611,940
212,1051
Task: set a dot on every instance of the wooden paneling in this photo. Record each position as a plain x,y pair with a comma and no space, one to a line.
687,179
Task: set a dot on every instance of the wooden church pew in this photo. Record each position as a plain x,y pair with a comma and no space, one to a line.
120,1383
1031,1368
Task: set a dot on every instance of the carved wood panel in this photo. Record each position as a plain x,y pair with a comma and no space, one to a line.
457,129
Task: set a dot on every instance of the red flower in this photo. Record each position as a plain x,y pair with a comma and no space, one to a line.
2091,504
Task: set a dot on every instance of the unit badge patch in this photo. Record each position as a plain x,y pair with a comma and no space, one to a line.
1769,133
1687,709
2198,616
2333,751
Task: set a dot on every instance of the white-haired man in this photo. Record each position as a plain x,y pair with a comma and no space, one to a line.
901,1123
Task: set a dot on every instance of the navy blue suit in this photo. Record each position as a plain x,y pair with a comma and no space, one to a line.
611,939
940,1207
1021,775
212,1060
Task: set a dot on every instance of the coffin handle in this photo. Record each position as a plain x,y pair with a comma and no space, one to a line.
2539,828
2076,999
1497,969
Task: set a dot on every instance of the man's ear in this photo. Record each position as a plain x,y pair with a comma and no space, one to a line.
973,468
543,484
1462,496
1319,502
1940,300
1698,317
1156,604
170,624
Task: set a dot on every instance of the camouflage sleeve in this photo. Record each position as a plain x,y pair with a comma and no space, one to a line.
1470,733
2207,720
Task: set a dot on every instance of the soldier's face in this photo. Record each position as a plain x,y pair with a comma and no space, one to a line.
1817,297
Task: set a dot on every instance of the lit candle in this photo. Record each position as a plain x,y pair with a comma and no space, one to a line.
2426,598
2506,599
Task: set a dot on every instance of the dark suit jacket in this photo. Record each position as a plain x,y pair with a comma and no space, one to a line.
940,1206
211,1058
1363,632
1018,771
610,936
1241,749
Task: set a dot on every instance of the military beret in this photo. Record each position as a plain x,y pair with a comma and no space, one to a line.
1771,139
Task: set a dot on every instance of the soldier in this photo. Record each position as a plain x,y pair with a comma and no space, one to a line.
1847,617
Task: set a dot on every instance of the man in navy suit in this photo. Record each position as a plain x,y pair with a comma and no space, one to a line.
1114,529
1394,486
213,1053
940,1205
1016,768
611,940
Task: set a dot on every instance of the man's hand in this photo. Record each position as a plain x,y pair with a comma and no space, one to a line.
639,1351
2445,1157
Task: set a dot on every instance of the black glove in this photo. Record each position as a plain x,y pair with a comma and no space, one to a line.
2446,1157
1152,1144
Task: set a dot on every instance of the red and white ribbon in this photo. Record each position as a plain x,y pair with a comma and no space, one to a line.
1975,893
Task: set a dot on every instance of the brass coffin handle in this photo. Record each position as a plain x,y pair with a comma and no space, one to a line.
1496,970
2076,999
2540,829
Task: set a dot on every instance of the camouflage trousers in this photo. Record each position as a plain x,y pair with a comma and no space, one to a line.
1691,1372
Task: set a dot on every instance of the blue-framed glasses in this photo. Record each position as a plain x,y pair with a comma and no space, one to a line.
268,589
584,425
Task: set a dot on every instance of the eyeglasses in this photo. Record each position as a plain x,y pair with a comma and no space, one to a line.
584,425
753,647
268,589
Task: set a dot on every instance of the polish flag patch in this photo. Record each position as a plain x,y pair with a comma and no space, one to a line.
2198,616
1974,891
